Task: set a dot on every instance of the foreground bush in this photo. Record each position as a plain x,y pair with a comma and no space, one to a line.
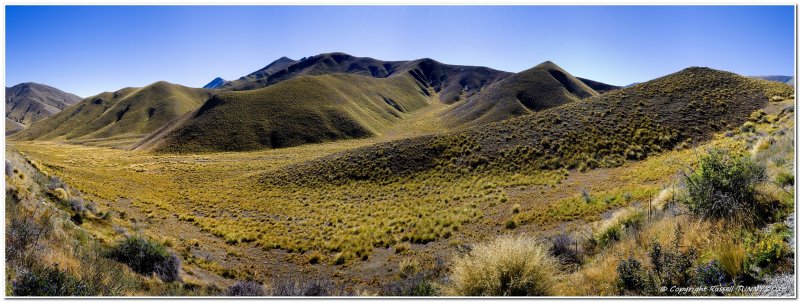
724,186
246,288
508,266
147,257
49,281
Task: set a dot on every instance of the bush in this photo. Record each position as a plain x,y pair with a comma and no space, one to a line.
246,288
631,276
711,274
147,257
508,266
49,281
313,287
784,179
724,186
417,285
564,249
408,267
768,252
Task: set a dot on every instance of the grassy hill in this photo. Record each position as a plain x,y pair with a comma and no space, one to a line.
544,86
673,111
30,102
452,82
129,111
308,109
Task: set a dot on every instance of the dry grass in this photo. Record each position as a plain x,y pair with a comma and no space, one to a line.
507,266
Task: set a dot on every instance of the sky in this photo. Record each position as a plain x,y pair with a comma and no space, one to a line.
90,49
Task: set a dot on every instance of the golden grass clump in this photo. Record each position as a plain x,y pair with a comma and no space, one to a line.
61,194
731,256
507,266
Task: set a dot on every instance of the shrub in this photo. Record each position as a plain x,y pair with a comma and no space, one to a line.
723,186
417,285
768,252
631,276
146,257
507,266
564,249
408,267
315,257
246,288
784,179
48,281
313,287
711,274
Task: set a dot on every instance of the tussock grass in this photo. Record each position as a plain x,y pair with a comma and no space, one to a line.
507,266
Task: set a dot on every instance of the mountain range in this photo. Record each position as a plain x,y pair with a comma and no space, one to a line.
337,96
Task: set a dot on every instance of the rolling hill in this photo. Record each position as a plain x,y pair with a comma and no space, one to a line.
606,130
778,78
126,112
544,86
307,109
312,109
30,102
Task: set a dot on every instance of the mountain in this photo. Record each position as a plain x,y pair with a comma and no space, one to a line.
215,83
451,82
302,110
544,86
598,86
126,112
606,130
778,78
30,102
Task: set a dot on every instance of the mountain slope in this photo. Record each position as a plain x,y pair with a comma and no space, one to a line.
307,109
603,131
129,111
452,82
544,86
598,86
30,102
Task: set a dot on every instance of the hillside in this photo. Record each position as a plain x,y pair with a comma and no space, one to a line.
308,109
30,102
126,112
544,86
452,82
598,86
676,110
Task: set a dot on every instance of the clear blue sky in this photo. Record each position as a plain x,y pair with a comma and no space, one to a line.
86,50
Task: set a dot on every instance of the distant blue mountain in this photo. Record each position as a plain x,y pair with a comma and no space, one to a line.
215,83
777,78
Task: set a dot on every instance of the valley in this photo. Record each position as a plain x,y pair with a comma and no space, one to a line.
376,177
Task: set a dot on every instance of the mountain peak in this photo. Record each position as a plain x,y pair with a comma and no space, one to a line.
215,83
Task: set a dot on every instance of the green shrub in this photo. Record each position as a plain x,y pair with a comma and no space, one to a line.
508,266
724,186
784,179
631,276
49,281
147,257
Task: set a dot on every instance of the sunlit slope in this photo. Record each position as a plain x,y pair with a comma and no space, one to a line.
30,102
308,109
544,86
603,131
129,111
